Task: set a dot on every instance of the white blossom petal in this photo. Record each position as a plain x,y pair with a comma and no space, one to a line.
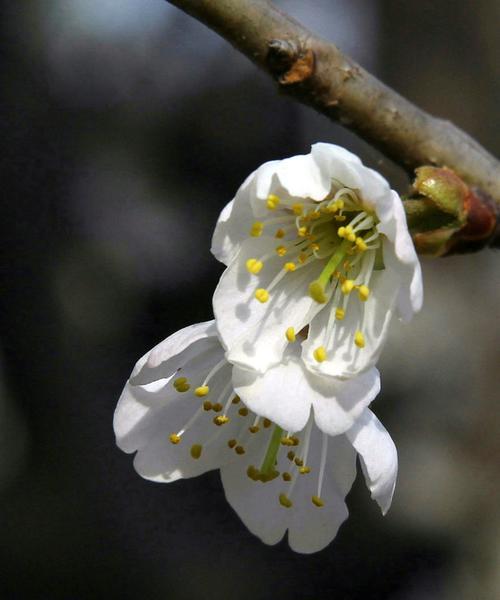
379,458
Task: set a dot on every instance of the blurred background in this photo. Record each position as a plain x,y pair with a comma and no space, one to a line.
125,128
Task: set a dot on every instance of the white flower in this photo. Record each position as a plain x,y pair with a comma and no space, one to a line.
283,465
317,240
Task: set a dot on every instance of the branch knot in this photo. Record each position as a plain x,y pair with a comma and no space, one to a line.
289,62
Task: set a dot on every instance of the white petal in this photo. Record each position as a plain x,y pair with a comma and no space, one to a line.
400,255
379,458
254,333
312,528
344,358
282,394
256,503
338,403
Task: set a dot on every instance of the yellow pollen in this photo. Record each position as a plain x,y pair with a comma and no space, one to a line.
298,209
207,405
272,201
180,381
281,250
232,443
295,440
243,411
339,314
314,247
347,286
341,232
289,267
253,473
361,244
304,470
285,501
217,407
254,266
286,476
262,295
254,429
298,461
320,354
347,233
257,229
267,423
340,217
291,455
286,441
174,438
220,420
290,334
363,292
280,233
239,450
235,400
181,384
317,292
359,339
196,450
202,391
316,500
302,231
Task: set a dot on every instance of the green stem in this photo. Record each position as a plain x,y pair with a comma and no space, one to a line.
272,451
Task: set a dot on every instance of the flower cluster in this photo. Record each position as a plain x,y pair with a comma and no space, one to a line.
275,391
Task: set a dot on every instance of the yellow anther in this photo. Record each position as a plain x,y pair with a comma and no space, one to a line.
341,232
295,440
280,233
290,334
217,407
254,266
239,450
302,231
339,314
181,384
285,501
340,217
207,405
361,244
289,267
302,258
254,429
257,229
340,204
347,286
281,250
267,423
235,400
316,500
286,441
262,295
243,411
298,461
232,443
220,420
291,455
286,476
272,201
196,450
347,233
317,292
174,438
314,247
253,473
304,470
202,391
359,339
363,292
315,215
320,354
298,208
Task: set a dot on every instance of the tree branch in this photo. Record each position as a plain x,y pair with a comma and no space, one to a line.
316,73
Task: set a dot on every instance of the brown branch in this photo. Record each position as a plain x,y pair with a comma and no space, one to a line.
316,73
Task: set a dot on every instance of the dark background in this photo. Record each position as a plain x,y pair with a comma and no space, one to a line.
125,127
